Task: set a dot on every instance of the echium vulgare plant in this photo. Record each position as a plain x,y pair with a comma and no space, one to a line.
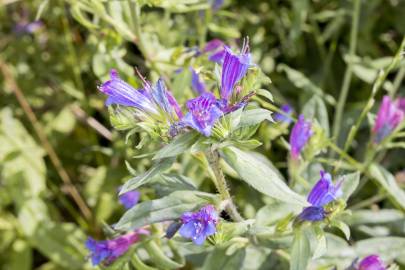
195,205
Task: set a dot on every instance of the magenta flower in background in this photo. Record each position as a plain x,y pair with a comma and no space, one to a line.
372,262
203,113
234,68
300,135
321,194
197,84
199,225
390,114
284,118
107,251
129,199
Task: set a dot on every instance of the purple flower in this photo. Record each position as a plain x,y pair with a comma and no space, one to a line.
196,83
216,4
107,251
284,118
234,69
321,194
390,114
300,135
372,262
152,100
129,199
28,28
203,113
199,225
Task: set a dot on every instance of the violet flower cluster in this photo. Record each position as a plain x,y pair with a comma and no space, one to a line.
197,226
389,116
321,194
107,251
157,103
300,134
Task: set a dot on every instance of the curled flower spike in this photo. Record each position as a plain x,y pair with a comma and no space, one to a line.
321,194
372,262
129,199
390,114
203,113
107,251
300,135
234,68
199,225
284,118
196,83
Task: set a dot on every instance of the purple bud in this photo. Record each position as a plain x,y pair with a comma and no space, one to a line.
312,213
199,225
372,262
284,118
28,28
216,4
108,251
213,45
129,199
300,135
234,69
324,191
203,113
196,83
216,50
390,114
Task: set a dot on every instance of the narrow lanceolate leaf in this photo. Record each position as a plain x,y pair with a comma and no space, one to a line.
349,184
260,176
300,252
147,176
178,146
387,181
167,208
218,259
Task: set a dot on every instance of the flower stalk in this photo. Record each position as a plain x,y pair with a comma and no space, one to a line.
221,185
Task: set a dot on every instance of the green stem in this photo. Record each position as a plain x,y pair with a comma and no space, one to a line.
397,81
220,183
349,70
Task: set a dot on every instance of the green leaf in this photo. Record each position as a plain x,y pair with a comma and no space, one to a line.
254,117
165,184
178,146
159,167
21,256
388,248
385,179
260,176
167,208
349,184
343,227
374,217
218,259
300,251
315,108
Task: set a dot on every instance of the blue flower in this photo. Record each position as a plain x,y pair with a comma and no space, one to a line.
234,68
199,225
284,118
300,135
203,113
321,194
107,251
216,4
196,83
129,199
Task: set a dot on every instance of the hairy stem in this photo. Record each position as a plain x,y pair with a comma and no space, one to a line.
220,183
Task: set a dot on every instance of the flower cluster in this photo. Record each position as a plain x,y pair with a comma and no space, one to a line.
321,194
389,116
199,225
107,251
